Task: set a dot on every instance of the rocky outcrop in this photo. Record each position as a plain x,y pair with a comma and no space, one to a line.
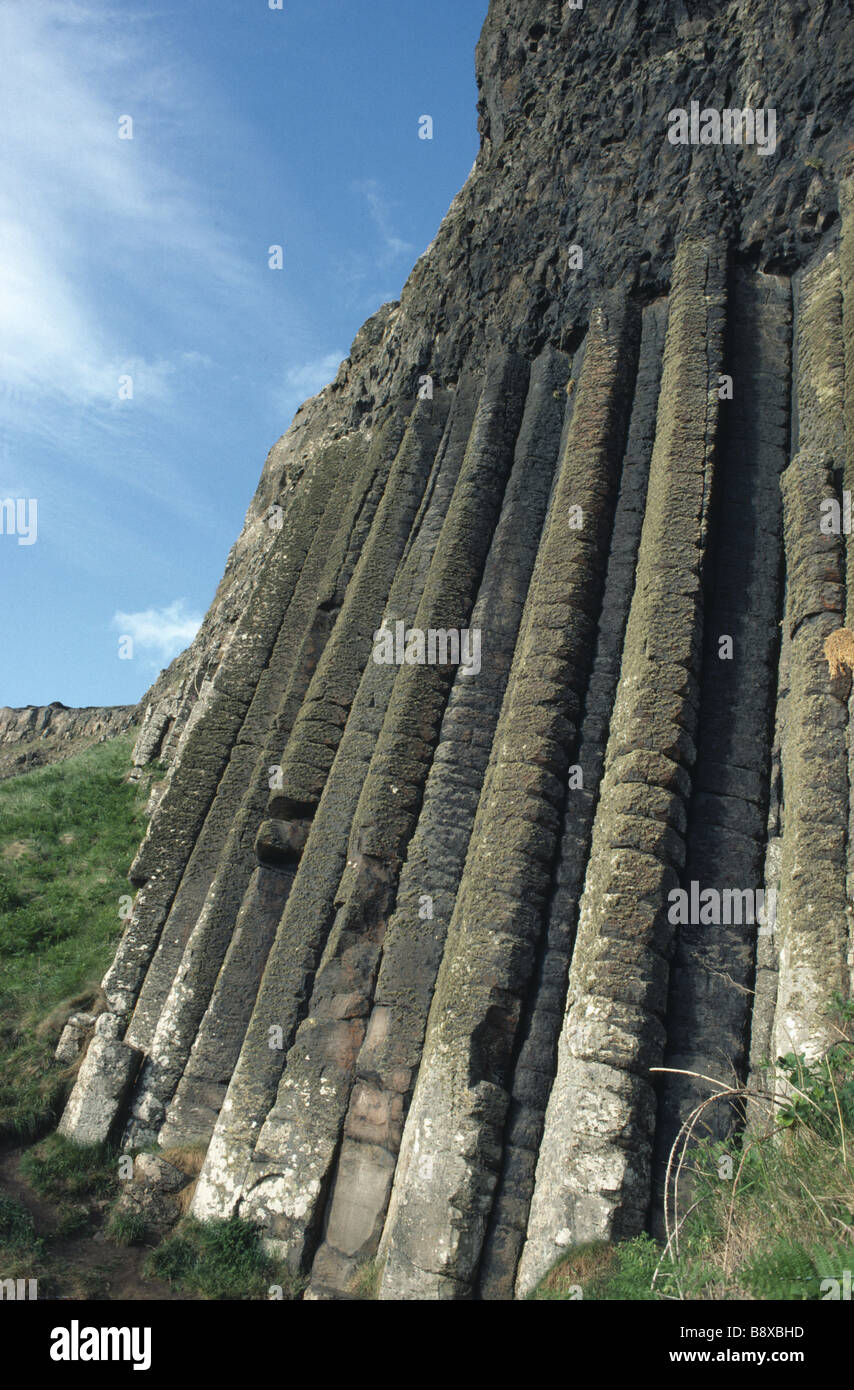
39,735
511,715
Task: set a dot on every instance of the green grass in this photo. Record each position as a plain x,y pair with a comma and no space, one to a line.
60,1169
220,1260
68,834
768,1216
366,1281
21,1250
783,1222
126,1227
600,1272
17,1231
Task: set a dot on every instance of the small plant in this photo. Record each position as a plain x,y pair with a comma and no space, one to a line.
126,1227
73,1221
632,1275
822,1092
784,1270
365,1283
770,1214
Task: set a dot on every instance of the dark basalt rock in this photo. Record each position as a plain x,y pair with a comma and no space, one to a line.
403,960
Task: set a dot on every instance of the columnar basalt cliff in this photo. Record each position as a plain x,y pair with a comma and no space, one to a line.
407,957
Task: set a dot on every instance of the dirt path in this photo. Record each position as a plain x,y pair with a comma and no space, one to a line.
87,1265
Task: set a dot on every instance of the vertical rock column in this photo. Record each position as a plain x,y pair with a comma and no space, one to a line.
846,259
299,1139
535,1067
593,1173
452,1141
412,948
301,934
767,955
812,934
812,925
713,967
330,696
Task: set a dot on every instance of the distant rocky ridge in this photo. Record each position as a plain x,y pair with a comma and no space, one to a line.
41,734
402,960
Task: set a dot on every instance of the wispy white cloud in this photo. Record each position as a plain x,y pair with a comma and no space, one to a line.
160,633
306,380
311,377
392,247
84,213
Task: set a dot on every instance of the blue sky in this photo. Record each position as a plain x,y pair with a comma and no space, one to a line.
147,258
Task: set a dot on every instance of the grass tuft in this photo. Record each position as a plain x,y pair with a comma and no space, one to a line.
126,1227
60,1169
220,1260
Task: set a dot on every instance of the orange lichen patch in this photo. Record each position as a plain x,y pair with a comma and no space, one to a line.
839,651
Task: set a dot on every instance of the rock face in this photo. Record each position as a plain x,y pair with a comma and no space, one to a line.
38,735
411,935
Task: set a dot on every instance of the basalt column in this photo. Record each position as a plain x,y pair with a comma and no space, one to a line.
391,766
535,1065
812,919
254,897
712,976
846,259
414,941
594,1168
452,1142
812,930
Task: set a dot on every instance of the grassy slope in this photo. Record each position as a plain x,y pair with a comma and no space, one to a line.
67,836
769,1216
